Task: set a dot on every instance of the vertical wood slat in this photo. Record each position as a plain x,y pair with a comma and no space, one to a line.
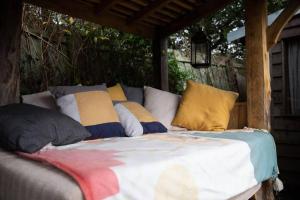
238,116
10,39
160,62
257,63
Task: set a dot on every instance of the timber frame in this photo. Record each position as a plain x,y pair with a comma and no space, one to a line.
156,19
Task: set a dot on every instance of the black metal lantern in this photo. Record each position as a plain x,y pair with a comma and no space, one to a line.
200,51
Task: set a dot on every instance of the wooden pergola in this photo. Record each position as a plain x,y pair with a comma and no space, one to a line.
156,20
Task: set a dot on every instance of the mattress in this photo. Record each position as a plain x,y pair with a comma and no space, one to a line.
22,179
25,179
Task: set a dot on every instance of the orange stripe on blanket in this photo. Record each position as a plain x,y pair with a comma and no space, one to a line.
91,169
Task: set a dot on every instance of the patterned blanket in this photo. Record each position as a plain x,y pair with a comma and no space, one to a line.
190,165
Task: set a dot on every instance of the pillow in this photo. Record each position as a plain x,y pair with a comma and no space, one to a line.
148,122
41,99
134,94
204,108
95,111
162,105
129,122
29,128
59,91
116,93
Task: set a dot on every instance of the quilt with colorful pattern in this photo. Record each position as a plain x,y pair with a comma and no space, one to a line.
188,165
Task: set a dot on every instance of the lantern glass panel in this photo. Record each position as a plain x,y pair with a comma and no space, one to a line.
201,53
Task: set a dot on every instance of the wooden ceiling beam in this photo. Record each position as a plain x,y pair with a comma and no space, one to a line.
86,11
147,10
105,5
202,10
275,29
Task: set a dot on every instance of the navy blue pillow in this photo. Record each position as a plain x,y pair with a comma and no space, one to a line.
29,128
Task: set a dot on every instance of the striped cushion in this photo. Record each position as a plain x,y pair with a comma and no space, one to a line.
95,111
147,121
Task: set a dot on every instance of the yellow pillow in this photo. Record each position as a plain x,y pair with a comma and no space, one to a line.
95,111
116,93
204,108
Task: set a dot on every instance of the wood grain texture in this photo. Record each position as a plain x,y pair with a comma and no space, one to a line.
139,17
160,63
148,10
87,11
257,65
200,11
275,29
10,38
238,116
265,192
104,6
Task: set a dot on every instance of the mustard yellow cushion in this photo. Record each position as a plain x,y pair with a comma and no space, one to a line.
204,108
95,111
116,93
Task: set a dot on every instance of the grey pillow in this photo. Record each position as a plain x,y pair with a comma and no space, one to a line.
129,122
134,94
59,91
29,128
41,99
162,105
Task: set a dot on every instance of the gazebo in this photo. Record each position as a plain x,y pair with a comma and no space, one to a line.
156,20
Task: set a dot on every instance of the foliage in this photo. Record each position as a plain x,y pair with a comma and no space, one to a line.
60,50
177,75
218,25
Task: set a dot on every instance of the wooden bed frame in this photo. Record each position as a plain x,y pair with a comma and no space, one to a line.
259,39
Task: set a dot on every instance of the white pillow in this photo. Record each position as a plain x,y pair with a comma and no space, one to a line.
41,99
162,105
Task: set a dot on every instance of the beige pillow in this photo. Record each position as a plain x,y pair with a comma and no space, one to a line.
162,105
41,99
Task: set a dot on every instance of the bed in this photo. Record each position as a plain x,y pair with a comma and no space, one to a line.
174,165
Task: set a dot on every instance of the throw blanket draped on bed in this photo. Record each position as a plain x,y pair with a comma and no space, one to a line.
189,165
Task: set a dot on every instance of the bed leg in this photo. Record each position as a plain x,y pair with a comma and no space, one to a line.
265,192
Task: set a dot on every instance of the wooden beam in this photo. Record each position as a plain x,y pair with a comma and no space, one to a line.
148,10
265,192
86,11
204,9
105,5
160,63
10,40
275,29
257,65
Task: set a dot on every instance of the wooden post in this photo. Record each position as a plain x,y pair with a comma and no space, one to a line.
258,75
10,39
160,62
257,64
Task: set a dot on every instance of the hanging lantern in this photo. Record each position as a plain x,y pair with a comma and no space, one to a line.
200,51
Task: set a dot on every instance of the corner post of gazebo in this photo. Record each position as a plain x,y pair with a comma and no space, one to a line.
10,40
258,75
257,65
160,62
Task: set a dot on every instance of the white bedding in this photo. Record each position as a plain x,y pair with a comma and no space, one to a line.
22,179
